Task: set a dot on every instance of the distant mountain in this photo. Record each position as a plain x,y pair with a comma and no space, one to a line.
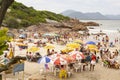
88,16
115,17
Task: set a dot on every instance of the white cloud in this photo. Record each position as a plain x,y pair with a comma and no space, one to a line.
103,6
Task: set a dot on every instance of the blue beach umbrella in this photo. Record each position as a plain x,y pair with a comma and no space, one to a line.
44,60
91,42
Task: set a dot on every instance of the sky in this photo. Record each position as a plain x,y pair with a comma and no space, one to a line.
58,6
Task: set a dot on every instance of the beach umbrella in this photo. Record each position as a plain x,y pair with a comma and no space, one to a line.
92,47
78,41
53,56
21,44
59,61
22,36
73,45
46,34
68,58
49,46
91,42
44,60
67,49
77,55
19,40
51,34
33,49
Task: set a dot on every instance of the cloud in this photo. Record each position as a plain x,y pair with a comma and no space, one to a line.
103,6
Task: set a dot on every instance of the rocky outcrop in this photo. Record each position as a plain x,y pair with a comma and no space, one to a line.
89,23
79,27
72,24
69,25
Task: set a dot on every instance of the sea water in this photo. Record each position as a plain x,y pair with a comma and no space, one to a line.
110,27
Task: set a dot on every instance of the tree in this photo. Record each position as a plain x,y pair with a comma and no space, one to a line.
3,39
4,5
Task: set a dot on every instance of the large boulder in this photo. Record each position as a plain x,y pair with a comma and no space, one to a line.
79,27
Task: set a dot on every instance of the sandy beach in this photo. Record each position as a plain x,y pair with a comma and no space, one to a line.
32,69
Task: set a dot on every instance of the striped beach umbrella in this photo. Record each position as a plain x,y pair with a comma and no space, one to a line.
44,60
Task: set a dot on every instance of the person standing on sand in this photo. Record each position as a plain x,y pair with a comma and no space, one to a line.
48,52
93,62
107,40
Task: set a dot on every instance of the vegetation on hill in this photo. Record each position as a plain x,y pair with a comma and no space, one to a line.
19,15
3,39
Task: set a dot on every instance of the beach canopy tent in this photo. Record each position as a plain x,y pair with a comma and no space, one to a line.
91,42
44,60
18,68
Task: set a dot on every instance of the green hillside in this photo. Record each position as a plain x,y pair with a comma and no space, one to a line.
19,15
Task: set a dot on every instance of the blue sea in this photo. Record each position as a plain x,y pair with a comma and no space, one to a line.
110,27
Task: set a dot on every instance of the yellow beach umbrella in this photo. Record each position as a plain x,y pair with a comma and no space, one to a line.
33,49
11,54
19,40
78,41
21,44
67,49
92,47
49,46
73,45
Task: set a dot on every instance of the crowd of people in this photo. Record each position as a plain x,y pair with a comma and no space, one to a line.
108,57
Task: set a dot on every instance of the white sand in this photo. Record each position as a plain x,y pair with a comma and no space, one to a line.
100,73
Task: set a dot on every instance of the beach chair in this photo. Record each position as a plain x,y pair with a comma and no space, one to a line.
69,71
63,73
77,67
56,71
